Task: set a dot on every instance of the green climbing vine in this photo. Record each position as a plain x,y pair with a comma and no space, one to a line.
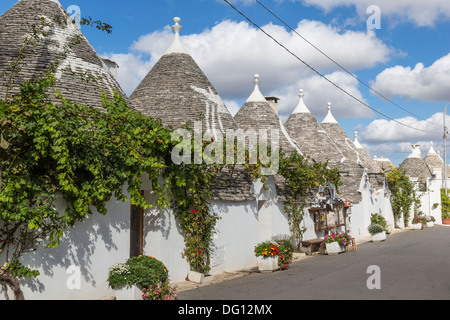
302,179
401,194
52,147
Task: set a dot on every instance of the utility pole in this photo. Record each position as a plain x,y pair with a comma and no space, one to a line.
445,151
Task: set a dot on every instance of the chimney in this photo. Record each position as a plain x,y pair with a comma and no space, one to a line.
273,101
112,67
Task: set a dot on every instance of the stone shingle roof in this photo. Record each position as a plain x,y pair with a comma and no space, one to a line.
176,91
311,138
315,142
434,161
414,166
81,76
356,163
257,114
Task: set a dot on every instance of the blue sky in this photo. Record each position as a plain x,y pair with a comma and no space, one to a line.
407,59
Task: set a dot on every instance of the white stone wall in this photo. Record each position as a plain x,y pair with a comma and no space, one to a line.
99,242
78,268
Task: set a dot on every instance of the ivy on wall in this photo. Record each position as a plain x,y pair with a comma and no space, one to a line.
302,180
402,194
87,156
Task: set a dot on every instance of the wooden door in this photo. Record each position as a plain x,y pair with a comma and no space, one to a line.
136,231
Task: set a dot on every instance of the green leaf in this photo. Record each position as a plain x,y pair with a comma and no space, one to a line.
3,143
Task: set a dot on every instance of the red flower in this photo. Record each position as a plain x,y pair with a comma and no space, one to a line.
199,251
193,211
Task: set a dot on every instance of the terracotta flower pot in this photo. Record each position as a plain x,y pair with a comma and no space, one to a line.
445,220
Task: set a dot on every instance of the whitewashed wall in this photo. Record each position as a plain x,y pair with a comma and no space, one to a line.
434,197
241,227
78,268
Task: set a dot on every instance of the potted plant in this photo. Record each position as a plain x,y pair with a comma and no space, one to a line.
267,255
377,218
286,248
335,243
343,239
129,279
274,254
430,221
163,291
445,203
416,223
378,232
445,218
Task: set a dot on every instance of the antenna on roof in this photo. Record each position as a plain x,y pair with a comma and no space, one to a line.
445,150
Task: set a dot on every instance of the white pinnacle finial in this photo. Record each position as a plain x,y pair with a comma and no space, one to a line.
256,81
256,95
431,148
301,107
177,46
329,118
177,28
356,142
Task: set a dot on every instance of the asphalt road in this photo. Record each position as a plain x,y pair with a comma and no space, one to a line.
410,265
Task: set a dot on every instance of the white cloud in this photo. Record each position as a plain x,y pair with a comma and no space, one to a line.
421,13
132,69
422,83
382,130
231,52
318,93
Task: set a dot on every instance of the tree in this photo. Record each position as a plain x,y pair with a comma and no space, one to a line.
401,194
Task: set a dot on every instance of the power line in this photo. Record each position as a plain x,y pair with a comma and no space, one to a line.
323,76
342,67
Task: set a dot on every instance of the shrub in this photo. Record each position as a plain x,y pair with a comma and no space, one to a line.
164,291
380,220
375,228
445,202
145,271
286,248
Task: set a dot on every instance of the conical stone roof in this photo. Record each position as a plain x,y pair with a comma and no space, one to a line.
176,91
81,75
384,163
257,114
434,161
357,164
414,166
315,142
310,136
